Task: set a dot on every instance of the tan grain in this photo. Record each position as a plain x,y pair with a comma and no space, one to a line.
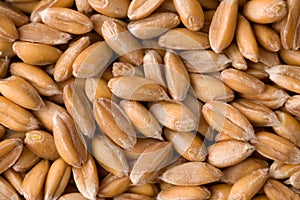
36,54
265,12
137,89
191,14
57,179
67,20
276,148
223,25
228,153
41,143
186,174
69,142
184,39
33,181
154,25
228,120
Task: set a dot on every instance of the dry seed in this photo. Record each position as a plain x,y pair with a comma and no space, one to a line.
278,191
267,37
204,61
67,20
248,186
228,120
147,189
208,88
15,117
242,82
139,9
10,151
36,54
7,192
289,30
272,97
130,196
21,92
289,127
265,12
114,123
294,180
276,148
26,161
41,33
78,106
219,191
57,179
286,76
187,174
258,114
86,178
13,14
175,116
15,179
109,156
41,144
291,57
112,186
191,14
46,113
126,69
246,40
37,77
8,31
92,61
228,153
184,39
223,25
280,170
122,42
97,88
33,182
154,25
116,9
177,77
233,53
63,66
293,105
137,89
184,192
69,142
151,160
143,121
236,172
187,144
153,67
